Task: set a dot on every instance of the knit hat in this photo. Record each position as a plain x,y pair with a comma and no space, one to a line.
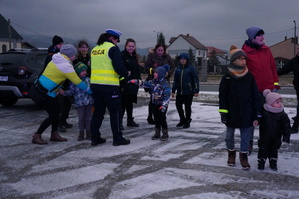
184,56
271,97
235,53
162,70
114,32
254,31
79,67
56,40
68,50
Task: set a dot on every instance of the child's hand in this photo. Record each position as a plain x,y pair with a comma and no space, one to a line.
135,81
255,123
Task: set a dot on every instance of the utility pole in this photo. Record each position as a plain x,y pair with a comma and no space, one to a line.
9,34
295,39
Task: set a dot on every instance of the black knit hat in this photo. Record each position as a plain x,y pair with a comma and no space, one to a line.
235,53
56,40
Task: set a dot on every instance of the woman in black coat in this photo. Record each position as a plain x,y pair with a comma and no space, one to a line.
129,91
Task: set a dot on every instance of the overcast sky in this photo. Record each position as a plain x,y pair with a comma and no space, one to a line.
217,23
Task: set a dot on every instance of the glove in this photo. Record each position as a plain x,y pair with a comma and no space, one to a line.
162,109
286,139
276,88
135,81
223,118
88,91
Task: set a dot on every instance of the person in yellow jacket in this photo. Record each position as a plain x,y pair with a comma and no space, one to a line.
107,68
56,72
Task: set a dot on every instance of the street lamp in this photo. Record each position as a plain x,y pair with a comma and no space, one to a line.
157,35
295,39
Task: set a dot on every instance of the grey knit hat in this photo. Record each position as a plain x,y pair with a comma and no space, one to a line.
235,53
271,97
68,50
253,31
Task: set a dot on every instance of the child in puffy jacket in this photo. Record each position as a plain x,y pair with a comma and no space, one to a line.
160,92
274,127
83,101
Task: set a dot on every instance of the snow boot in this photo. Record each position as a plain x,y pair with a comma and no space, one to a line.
88,134
231,157
56,137
164,136
132,123
273,164
261,164
157,134
294,128
81,136
150,120
187,123
37,139
244,161
181,123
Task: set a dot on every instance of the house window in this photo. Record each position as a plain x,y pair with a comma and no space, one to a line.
4,48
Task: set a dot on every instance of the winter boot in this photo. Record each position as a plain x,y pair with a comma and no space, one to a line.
231,157
37,139
56,137
157,134
88,135
273,164
250,147
181,123
150,120
81,136
132,123
164,136
187,123
261,164
294,128
244,161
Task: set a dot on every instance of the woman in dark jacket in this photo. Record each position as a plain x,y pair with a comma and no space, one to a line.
186,84
129,91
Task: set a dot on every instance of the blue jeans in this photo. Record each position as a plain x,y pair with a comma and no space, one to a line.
245,136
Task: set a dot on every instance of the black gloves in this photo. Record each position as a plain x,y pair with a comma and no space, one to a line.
223,118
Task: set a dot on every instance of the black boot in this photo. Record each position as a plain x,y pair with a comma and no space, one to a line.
181,123
273,164
187,123
157,134
295,125
150,120
132,123
261,164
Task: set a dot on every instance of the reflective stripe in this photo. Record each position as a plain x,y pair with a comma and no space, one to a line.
223,111
276,83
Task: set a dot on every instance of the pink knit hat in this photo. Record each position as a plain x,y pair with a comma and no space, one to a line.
271,97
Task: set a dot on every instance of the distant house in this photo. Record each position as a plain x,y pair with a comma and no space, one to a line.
9,37
183,43
283,51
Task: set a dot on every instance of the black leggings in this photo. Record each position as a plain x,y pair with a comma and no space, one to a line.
51,105
187,101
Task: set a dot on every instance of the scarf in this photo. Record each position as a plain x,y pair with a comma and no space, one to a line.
237,72
273,109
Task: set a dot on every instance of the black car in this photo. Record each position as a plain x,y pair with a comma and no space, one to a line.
19,68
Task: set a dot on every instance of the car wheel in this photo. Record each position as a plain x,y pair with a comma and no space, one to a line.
8,100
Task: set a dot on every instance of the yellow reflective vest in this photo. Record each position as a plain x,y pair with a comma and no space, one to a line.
102,71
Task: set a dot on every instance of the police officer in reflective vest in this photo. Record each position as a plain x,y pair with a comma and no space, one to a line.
106,69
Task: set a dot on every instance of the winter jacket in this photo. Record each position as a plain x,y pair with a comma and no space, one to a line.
274,126
239,99
185,80
51,52
131,64
153,58
81,97
159,91
292,66
57,71
262,65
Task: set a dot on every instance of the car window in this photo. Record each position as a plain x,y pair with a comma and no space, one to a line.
9,59
41,59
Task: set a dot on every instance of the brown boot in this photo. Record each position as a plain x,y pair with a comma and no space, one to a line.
88,135
81,136
157,134
244,161
56,137
37,139
165,136
231,157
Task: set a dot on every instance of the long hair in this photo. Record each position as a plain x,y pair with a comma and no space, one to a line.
133,41
159,45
